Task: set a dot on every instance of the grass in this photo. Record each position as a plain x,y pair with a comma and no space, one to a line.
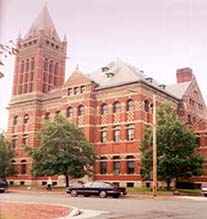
143,190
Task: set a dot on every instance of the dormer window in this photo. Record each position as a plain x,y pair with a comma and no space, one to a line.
104,69
149,79
110,74
162,86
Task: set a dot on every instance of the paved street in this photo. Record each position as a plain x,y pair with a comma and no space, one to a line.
123,208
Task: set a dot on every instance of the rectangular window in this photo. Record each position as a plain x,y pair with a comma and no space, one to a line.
56,69
26,77
25,88
21,79
55,80
44,88
51,67
46,65
25,139
76,90
198,139
30,87
22,67
116,167
23,168
116,133
130,132
31,76
44,76
32,63
20,89
50,78
82,89
103,135
103,167
14,141
27,65
70,91
130,167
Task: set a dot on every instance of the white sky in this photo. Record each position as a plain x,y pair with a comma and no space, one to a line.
157,36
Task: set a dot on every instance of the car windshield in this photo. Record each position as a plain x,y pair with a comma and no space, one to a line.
101,185
98,184
88,184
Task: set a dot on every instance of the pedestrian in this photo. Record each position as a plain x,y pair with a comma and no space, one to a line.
49,184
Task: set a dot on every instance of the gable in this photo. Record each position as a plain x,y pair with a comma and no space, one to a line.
193,99
77,78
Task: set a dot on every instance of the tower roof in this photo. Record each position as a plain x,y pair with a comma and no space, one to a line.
45,23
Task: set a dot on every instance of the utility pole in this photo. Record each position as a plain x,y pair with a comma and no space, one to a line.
154,149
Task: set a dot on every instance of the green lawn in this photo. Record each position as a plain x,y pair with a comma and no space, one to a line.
143,190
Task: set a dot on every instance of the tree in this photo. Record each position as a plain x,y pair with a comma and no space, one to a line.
6,155
5,50
64,150
176,145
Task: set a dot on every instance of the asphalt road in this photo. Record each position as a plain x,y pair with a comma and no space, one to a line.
123,208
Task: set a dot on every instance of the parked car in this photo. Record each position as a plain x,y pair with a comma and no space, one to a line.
204,189
98,188
3,185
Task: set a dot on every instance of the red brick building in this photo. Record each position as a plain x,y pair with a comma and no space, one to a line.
111,105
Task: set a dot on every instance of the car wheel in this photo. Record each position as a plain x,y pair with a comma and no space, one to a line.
205,195
73,193
102,194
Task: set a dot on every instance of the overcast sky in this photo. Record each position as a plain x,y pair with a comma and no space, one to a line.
157,36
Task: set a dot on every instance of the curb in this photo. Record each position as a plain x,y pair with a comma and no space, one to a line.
84,213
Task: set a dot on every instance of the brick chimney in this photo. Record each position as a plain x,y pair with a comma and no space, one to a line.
184,75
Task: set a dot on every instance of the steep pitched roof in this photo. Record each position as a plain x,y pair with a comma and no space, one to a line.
179,89
119,73
77,77
116,72
43,22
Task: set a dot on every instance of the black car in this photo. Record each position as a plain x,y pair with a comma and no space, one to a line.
3,185
98,188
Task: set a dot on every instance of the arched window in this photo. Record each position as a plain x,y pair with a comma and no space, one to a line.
15,121
23,166
26,118
146,106
104,109
117,107
69,112
80,110
130,105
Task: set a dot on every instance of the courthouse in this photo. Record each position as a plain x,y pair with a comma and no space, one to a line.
111,105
